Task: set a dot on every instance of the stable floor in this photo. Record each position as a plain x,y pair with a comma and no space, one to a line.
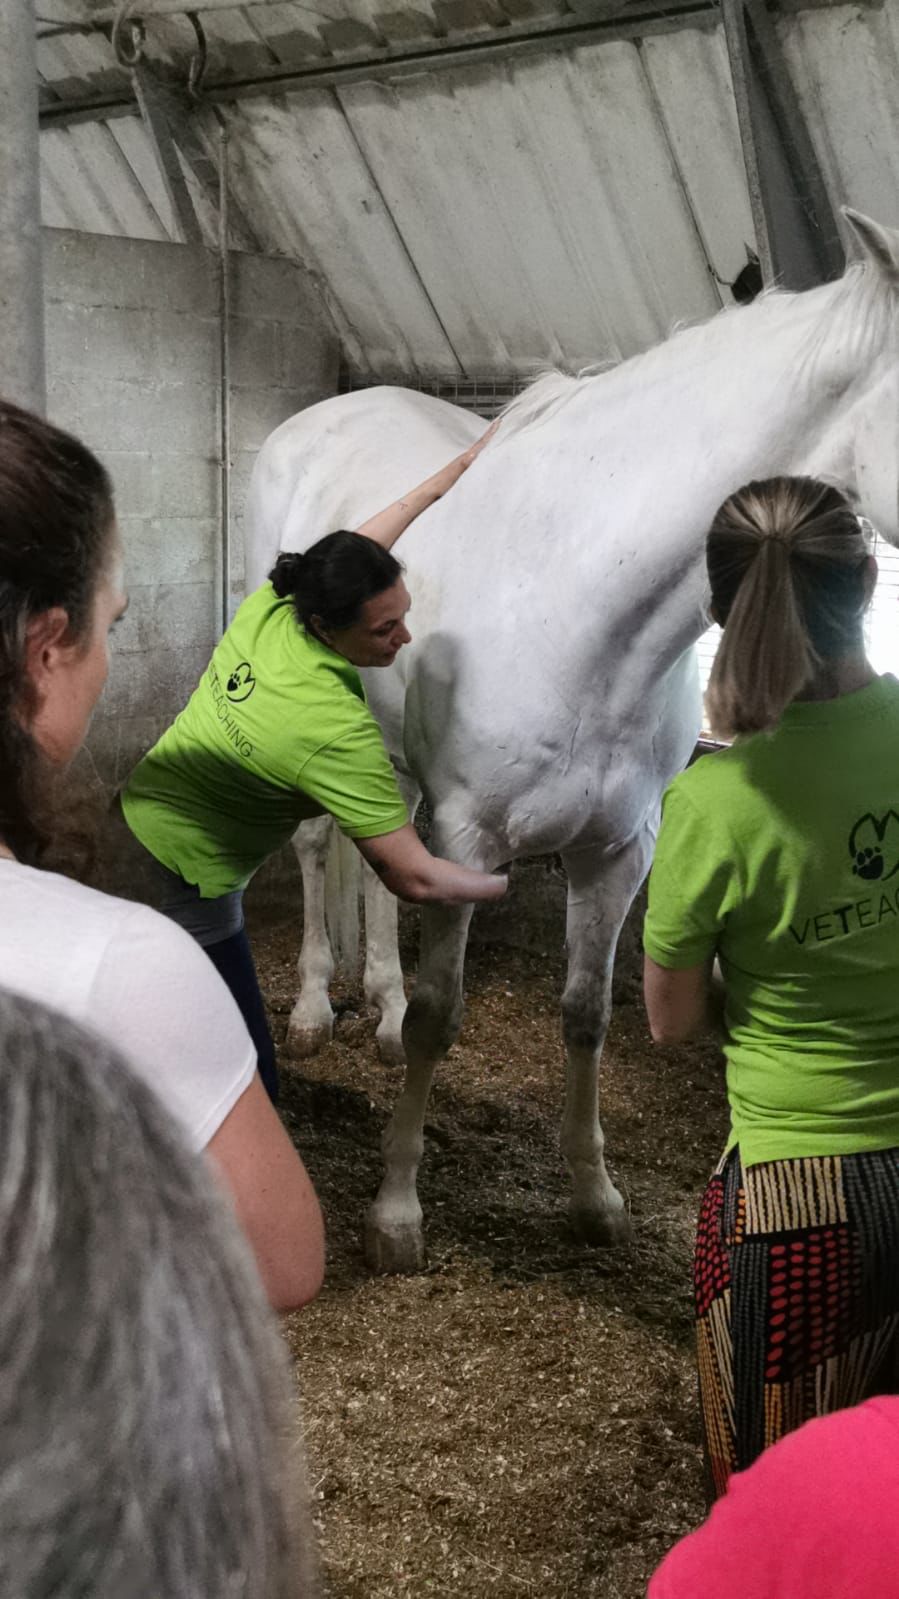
522,1417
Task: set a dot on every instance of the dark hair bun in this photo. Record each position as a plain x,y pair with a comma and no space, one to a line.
287,573
332,580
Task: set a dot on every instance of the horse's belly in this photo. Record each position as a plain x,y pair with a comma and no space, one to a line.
541,761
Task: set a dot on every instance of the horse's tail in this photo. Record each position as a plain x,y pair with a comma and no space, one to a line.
343,887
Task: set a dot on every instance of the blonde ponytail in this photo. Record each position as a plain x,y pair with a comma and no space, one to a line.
786,559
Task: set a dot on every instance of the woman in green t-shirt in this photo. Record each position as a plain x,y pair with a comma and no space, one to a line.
278,731
779,857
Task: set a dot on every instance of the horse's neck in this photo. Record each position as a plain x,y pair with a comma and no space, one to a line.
744,392
755,402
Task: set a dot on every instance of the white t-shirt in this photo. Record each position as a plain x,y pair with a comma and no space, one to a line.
137,980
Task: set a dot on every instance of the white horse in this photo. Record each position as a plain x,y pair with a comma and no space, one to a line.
551,691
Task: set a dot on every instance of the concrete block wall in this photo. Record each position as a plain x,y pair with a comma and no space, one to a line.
133,368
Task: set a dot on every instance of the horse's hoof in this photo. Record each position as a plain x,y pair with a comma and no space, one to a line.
397,1253
390,1047
607,1229
301,1042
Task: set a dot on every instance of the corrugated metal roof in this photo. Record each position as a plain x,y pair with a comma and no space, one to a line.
103,178
242,40
565,207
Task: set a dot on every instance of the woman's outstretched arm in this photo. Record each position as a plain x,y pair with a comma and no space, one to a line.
386,527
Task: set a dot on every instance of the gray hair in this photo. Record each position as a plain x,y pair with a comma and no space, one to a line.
146,1422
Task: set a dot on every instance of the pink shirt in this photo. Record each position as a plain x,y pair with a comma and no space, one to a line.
816,1517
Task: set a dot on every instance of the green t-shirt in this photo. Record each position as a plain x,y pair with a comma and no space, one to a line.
277,731
781,855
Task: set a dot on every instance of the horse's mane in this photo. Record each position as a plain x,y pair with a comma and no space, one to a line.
858,317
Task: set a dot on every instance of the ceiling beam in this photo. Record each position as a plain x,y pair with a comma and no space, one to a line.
172,125
101,14
155,109
653,17
795,228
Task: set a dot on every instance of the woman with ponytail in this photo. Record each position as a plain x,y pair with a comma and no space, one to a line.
278,731
778,857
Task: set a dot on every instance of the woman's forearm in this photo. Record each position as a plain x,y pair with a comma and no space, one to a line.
387,525
438,881
445,882
411,872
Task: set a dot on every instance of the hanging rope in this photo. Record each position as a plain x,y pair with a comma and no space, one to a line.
199,60
128,34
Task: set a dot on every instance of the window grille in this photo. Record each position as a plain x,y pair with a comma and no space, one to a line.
485,395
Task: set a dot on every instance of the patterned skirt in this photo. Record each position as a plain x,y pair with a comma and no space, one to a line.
796,1280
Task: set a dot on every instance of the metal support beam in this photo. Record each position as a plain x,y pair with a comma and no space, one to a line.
170,119
506,44
22,371
795,228
155,110
225,376
95,14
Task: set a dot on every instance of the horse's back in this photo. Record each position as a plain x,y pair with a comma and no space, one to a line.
342,460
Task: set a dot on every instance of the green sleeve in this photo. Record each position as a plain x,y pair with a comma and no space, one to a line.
354,780
693,886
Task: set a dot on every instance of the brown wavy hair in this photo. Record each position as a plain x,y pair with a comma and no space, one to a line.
787,564
56,517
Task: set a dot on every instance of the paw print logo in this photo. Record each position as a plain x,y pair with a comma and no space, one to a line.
874,846
868,863
241,683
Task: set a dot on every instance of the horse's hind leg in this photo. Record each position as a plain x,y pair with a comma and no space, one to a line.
312,1019
601,890
394,1240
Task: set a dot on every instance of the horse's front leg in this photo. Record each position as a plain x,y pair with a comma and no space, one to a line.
601,891
394,1240
383,978
312,1019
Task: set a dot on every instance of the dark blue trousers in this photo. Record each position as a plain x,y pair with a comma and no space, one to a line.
218,927
233,960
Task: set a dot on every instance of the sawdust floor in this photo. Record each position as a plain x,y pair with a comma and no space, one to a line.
522,1417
